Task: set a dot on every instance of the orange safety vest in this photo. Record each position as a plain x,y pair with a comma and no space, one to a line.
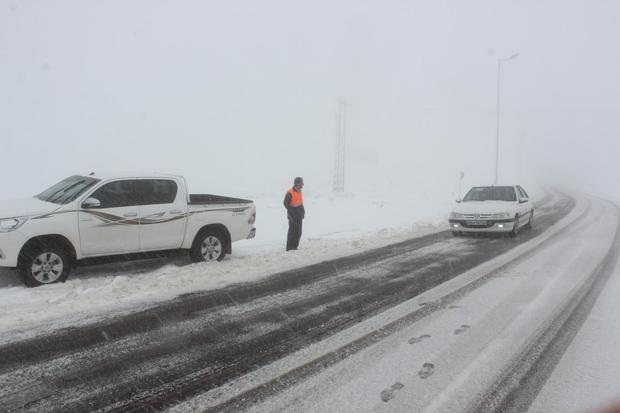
297,199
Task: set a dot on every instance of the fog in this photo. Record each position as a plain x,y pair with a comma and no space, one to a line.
240,97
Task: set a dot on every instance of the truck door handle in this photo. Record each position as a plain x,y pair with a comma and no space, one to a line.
130,214
176,211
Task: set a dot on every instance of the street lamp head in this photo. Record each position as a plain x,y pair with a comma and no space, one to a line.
514,56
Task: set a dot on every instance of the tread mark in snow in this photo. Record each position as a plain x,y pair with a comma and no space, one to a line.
414,340
388,394
427,370
462,329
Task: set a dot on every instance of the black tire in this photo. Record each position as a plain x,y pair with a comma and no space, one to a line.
515,229
44,265
530,223
209,245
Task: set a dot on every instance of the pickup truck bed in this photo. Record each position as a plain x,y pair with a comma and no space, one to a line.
202,199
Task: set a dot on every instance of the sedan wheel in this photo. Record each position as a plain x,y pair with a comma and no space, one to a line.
515,229
530,223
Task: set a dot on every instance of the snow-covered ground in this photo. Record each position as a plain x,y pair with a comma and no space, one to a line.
435,364
335,226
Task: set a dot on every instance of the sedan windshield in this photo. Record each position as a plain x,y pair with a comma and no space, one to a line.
491,193
67,190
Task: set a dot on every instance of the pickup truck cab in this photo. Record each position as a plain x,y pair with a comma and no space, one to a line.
93,216
504,209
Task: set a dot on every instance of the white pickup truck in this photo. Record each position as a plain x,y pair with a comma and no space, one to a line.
93,216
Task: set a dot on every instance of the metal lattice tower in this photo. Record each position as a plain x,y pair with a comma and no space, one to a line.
341,145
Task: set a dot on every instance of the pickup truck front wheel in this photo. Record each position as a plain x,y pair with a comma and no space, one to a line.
44,266
208,246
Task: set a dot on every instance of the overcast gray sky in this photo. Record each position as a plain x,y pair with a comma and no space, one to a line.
241,95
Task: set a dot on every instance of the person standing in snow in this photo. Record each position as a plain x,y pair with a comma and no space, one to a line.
294,204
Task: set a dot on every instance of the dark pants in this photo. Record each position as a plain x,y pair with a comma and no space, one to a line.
294,234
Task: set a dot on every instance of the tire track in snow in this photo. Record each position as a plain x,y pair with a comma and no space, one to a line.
525,378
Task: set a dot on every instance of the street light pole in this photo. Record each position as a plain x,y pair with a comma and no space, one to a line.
341,145
499,71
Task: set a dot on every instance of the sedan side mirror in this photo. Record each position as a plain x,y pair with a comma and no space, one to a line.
523,200
91,203
458,200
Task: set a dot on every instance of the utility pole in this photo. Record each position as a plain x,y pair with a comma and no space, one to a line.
461,176
499,68
341,145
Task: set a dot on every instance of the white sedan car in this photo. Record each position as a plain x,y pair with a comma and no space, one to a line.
504,209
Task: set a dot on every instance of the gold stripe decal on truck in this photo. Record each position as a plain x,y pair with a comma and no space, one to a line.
111,219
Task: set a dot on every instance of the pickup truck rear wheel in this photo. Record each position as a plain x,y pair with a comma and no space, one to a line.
208,246
44,265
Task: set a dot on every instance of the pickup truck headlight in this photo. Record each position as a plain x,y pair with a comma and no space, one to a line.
455,215
11,224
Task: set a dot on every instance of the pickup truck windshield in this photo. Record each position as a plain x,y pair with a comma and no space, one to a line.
491,193
67,190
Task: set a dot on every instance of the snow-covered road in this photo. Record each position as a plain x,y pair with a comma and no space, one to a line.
234,341
471,352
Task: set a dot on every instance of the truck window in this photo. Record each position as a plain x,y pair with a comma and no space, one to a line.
157,191
117,194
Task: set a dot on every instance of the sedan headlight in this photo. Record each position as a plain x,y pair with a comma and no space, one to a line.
503,215
11,224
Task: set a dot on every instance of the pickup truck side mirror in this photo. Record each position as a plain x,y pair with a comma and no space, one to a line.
91,203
